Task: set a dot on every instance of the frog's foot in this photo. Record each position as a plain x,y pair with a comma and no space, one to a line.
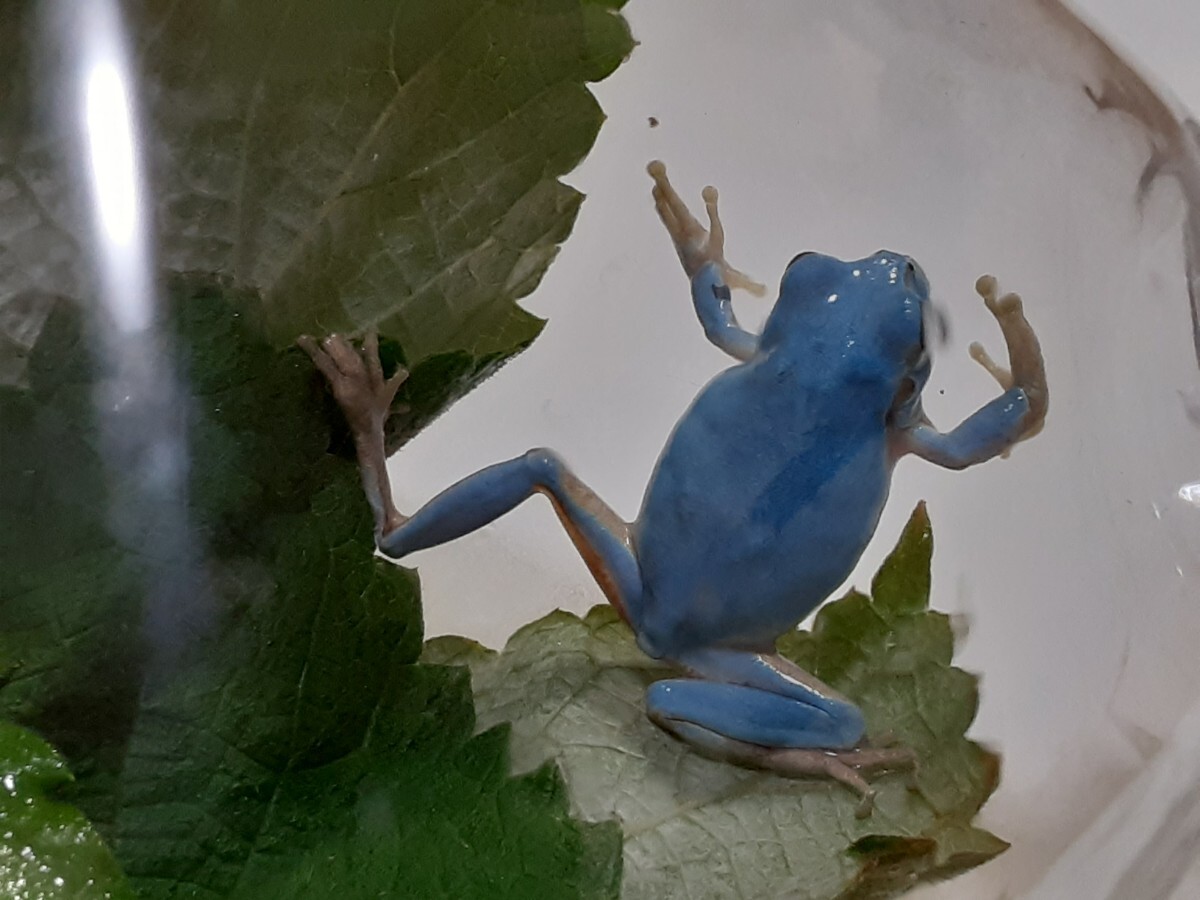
356,379
762,711
365,396
696,246
845,766
1027,370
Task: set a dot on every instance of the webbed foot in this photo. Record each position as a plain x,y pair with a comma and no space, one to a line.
845,766
365,397
356,379
762,711
696,246
1027,369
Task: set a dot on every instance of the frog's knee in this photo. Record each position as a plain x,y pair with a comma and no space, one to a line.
849,725
689,707
544,466
648,645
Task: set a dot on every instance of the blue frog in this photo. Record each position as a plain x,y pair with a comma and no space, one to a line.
765,496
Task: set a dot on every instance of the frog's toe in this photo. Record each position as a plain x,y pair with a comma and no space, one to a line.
1008,305
716,231
666,215
980,355
986,287
873,758
866,805
743,282
844,766
671,208
346,358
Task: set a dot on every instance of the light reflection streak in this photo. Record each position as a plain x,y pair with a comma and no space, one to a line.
109,135
140,408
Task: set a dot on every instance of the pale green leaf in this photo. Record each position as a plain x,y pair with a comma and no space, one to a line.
696,828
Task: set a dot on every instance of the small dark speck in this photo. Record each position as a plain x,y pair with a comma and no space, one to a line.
942,391
653,122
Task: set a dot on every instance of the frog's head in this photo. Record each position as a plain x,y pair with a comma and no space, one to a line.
873,313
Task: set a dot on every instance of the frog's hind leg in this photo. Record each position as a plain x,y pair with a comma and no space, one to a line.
365,396
760,710
599,534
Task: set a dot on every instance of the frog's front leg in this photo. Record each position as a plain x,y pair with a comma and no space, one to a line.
762,711
1016,415
702,253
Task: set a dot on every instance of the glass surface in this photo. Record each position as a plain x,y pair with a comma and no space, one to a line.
979,137
962,135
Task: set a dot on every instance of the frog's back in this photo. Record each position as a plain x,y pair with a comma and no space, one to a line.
760,505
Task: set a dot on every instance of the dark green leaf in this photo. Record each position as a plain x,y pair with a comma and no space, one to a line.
294,748
318,165
308,757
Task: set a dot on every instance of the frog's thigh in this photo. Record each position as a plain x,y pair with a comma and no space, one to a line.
741,697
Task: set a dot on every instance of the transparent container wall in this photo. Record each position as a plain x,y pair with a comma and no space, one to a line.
966,135
979,136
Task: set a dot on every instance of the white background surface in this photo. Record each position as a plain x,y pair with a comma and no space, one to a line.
1075,562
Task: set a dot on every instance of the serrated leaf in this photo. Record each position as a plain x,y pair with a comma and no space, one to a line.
382,163
47,848
696,828
902,582
307,756
294,748
317,165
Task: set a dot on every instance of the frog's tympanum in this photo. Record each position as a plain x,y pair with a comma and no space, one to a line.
766,494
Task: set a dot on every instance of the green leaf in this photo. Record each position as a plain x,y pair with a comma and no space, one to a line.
47,848
902,582
573,690
308,757
382,162
294,747
318,165
379,163
70,596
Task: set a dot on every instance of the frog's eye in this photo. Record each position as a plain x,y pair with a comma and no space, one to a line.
800,256
934,323
915,280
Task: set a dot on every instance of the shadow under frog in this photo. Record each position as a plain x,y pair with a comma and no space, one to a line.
764,498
